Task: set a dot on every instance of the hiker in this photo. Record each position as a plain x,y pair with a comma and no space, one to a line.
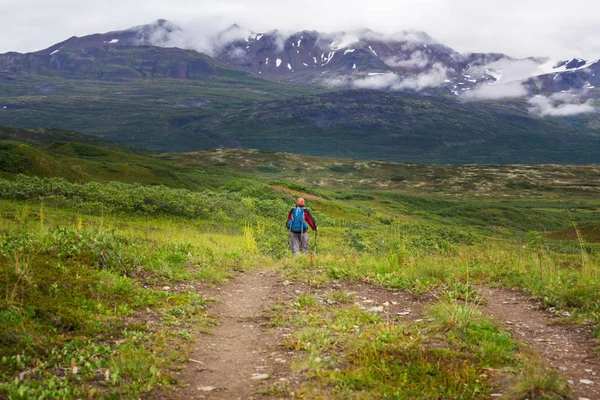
299,219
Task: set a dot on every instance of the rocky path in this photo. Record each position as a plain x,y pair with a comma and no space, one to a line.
566,348
240,356
243,358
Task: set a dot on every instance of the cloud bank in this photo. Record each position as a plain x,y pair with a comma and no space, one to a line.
435,77
555,106
418,59
496,91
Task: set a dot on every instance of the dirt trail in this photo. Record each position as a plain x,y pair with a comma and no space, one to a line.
566,348
240,355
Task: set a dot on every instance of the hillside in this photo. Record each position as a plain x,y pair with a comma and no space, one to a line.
406,127
81,158
153,113
178,115
127,290
77,157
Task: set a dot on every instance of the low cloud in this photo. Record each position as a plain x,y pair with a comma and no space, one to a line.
167,34
392,81
339,40
508,70
236,53
559,105
411,36
434,78
376,81
232,34
418,59
494,92
204,39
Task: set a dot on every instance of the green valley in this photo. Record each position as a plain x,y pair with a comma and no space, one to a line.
113,261
169,99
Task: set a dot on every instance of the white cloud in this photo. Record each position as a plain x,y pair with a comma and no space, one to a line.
392,81
435,77
233,33
496,91
411,36
169,34
508,70
556,107
418,59
379,81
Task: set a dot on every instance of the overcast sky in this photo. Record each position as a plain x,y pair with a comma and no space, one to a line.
521,28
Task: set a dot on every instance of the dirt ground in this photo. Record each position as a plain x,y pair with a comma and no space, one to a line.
244,358
567,348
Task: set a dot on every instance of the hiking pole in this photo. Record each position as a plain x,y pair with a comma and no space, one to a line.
316,240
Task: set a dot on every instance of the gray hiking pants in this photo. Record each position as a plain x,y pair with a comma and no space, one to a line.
299,242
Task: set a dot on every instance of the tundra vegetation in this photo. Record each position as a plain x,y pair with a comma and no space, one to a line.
102,252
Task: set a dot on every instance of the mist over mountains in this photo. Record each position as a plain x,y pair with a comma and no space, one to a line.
172,90
364,59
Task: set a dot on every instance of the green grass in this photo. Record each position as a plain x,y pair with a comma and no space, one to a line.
101,304
455,352
99,280
363,180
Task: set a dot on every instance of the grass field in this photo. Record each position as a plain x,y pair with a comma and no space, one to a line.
101,282
96,279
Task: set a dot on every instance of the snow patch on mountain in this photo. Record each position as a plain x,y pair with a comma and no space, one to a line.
509,70
408,60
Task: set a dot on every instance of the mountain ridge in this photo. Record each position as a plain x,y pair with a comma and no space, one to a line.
119,87
408,60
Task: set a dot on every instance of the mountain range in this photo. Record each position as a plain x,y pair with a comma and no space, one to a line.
402,97
408,60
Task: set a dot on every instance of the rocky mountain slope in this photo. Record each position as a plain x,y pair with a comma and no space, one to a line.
406,61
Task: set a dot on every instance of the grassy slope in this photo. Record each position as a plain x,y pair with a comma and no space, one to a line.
98,258
403,127
151,112
82,158
496,197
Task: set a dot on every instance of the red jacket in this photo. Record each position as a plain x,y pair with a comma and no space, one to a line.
308,218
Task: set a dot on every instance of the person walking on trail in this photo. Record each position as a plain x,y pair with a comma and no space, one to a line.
299,219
